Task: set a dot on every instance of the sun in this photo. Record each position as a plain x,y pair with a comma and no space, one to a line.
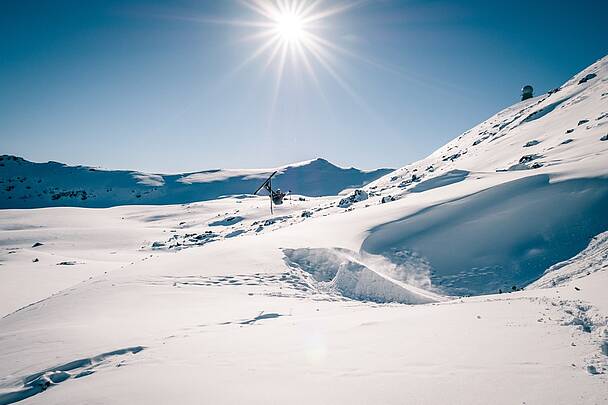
295,30
298,35
290,26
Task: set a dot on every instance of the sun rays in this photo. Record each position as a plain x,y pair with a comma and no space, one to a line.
294,33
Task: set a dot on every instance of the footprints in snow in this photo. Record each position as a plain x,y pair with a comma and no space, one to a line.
592,327
286,279
294,283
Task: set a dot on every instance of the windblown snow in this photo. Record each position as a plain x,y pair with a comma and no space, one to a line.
476,275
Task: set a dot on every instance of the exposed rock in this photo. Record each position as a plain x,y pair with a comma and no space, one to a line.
452,157
387,199
356,196
531,143
527,158
587,78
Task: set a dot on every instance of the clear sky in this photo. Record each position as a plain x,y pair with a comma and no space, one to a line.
170,86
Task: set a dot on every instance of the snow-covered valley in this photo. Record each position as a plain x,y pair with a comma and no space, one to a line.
476,275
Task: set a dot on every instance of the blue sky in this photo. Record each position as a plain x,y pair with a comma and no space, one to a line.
154,86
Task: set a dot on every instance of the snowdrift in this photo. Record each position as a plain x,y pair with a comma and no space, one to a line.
505,236
339,271
592,259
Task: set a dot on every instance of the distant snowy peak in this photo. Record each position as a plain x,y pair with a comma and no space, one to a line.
25,184
563,133
209,176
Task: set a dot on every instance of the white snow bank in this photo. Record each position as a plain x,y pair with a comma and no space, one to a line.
451,177
337,270
21,388
498,238
593,258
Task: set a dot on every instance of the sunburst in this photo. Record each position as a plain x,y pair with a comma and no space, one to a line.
294,30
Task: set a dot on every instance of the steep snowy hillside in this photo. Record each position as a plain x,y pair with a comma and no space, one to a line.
221,302
25,184
504,201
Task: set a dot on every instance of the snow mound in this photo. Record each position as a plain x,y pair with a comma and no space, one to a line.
501,237
593,258
25,387
338,271
451,177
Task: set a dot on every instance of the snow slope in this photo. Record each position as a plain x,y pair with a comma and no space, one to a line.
25,184
221,302
528,188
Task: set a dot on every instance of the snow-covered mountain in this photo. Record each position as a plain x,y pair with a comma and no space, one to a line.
500,238
507,199
25,184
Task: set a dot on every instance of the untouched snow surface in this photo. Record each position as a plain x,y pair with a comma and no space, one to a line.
221,302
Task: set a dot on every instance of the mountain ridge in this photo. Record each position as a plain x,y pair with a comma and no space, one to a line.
26,184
